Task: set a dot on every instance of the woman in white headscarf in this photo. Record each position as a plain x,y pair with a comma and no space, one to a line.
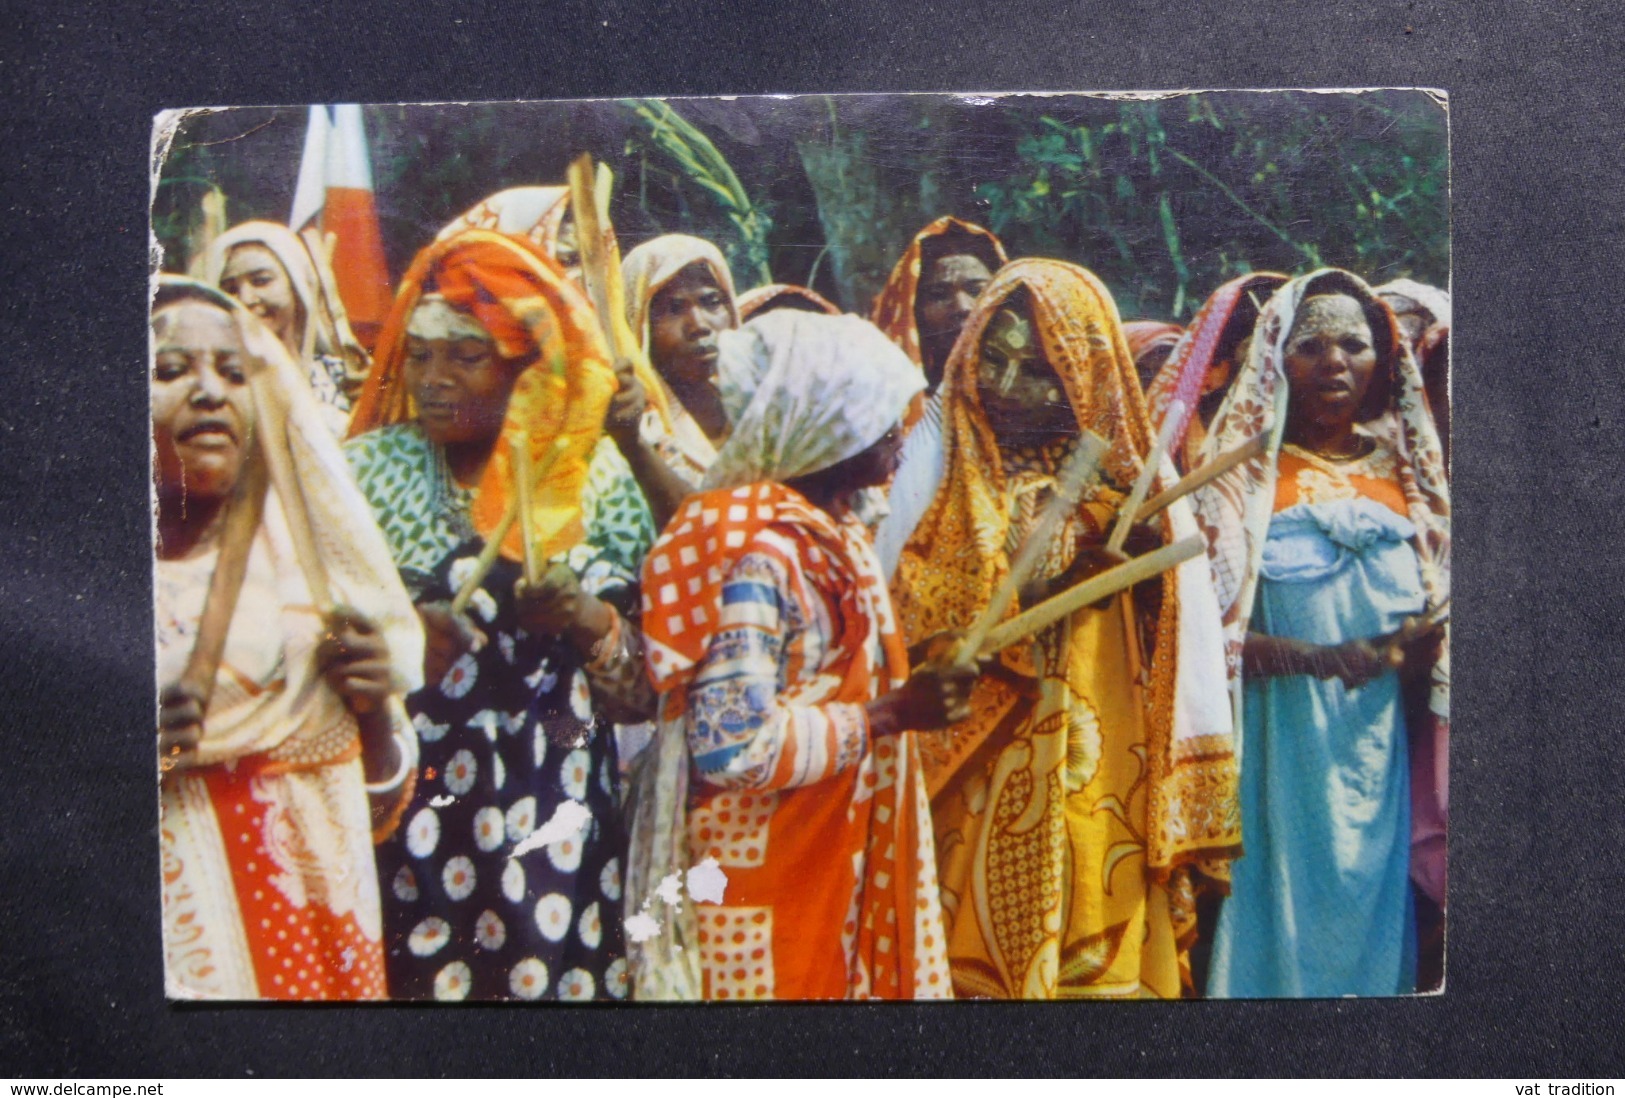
284,279
275,733
782,755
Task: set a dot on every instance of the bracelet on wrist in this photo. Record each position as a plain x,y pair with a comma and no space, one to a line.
406,744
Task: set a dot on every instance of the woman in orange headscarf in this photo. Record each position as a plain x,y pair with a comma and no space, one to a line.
923,307
934,286
489,346
1094,783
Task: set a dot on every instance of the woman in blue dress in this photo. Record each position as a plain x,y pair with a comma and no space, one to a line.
1329,550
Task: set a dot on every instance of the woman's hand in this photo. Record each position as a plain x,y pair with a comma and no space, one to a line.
936,695
1354,662
625,417
447,636
180,727
557,605
354,659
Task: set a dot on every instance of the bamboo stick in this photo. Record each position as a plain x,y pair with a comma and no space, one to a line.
242,522
524,474
1091,590
493,544
1148,475
1199,478
1080,470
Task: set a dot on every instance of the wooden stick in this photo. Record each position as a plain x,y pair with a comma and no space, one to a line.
1142,483
1091,590
493,544
242,522
1080,470
590,241
273,427
1190,482
524,475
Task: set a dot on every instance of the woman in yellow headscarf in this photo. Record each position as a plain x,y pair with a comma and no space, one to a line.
1094,783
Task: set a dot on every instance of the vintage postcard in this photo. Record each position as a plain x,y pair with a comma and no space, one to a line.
803,547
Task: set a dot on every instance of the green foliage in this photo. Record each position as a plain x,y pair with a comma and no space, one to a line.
1171,197
1163,199
700,164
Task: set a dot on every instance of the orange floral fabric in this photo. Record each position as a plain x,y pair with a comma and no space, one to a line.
535,315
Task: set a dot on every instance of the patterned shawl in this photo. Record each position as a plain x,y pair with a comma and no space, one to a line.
1234,511
1145,336
780,295
350,550
535,213
537,316
1183,377
327,325
894,305
957,556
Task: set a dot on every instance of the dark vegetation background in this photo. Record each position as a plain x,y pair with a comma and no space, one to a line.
1164,199
1537,873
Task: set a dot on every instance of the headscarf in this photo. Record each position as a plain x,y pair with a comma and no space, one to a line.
894,306
781,295
535,213
1234,511
304,260
350,550
1433,303
957,556
1184,375
534,315
649,267
804,391
1145,336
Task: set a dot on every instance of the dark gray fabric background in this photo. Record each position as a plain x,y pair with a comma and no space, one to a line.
1535,954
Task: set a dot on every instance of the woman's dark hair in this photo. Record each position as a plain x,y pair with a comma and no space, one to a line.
1384,339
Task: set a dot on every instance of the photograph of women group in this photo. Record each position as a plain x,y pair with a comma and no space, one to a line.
819,547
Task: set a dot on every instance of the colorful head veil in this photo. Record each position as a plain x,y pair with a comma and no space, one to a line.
1234,511
956,558
1185,376
782,295
538,318
535,213
894,305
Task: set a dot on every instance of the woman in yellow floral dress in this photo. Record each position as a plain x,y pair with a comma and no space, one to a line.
1093,787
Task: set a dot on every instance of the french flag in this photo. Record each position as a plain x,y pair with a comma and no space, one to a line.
334,194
